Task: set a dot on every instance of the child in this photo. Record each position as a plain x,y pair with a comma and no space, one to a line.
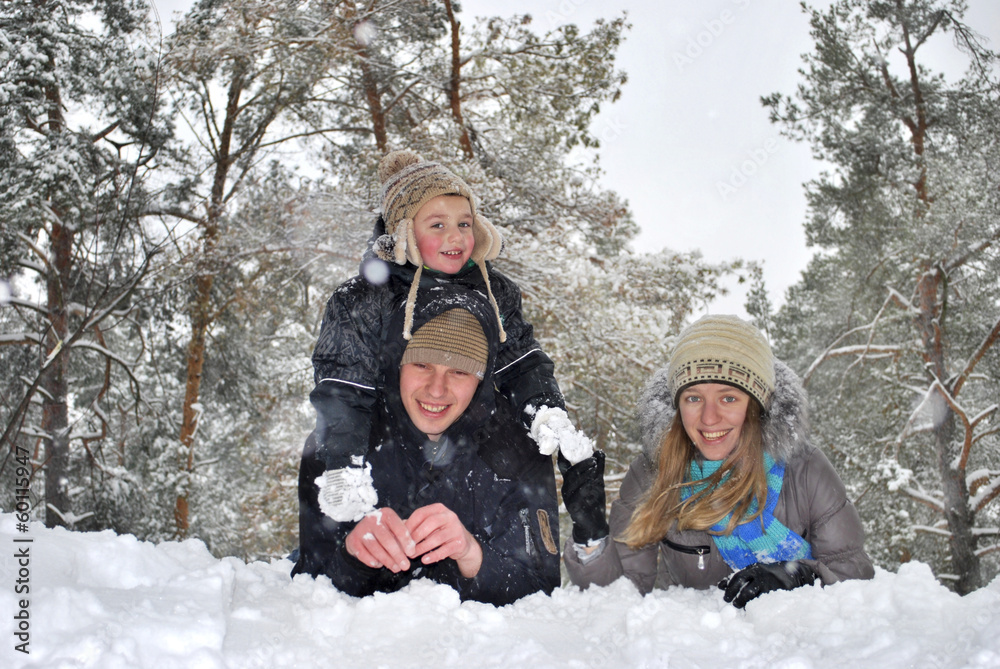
429,232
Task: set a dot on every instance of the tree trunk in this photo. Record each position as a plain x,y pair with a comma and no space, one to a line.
202,313
200,322
55,413
370,83
961,541
454,85
957,513
374,101
917,123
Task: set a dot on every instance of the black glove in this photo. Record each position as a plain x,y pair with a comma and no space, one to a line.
755,580
583,495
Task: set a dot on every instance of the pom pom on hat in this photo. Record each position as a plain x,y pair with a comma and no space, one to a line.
723,349
394,161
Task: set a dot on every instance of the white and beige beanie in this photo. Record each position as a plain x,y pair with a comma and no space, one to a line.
723,349
455,339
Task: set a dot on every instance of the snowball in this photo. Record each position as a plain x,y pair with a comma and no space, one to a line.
375,271
347,494
552,430
365,33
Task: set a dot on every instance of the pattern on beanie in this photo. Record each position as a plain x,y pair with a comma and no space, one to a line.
721,371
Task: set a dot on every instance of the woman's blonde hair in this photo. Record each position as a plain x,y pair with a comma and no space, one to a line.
743,478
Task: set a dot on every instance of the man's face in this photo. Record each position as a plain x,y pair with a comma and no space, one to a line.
434,396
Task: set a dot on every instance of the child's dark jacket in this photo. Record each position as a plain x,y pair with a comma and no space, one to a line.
355,329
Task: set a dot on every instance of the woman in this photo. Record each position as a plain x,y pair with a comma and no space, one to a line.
464,497
728,490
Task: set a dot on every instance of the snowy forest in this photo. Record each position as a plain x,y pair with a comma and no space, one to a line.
177,208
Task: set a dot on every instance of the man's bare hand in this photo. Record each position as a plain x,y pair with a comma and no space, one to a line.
439,534
381,539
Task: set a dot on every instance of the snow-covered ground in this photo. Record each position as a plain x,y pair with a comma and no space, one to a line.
108,601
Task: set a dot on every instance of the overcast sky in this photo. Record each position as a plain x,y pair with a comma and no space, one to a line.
689,144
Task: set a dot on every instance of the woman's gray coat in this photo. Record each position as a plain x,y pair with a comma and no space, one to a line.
813,503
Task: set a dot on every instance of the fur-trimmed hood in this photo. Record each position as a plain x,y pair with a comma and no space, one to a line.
786,421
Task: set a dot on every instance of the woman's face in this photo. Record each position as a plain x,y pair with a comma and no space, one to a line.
713,415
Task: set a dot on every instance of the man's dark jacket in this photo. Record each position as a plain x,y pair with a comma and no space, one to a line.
484,468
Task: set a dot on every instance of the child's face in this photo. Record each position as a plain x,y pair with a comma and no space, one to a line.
443,229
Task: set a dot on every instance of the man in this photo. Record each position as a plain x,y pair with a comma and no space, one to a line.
464,497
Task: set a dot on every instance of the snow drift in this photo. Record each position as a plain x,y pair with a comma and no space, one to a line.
108,601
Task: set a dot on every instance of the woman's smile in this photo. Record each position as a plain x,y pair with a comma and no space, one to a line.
713,415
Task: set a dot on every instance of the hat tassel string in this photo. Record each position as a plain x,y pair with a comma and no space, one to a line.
496,308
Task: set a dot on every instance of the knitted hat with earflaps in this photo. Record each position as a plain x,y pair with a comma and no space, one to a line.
454,338
723,349
408,182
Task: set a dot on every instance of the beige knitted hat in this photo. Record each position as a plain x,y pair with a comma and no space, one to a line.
408,183
454,338
723,349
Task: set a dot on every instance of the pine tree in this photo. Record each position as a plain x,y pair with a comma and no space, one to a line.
197,268
505,107
605,313
79,129
242,71
896,322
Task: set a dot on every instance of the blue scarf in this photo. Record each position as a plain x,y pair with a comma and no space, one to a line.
765,539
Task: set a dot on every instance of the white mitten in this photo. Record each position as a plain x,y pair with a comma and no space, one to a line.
347,494
552,430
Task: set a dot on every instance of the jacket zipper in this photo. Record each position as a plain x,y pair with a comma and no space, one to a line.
700,551
529,545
